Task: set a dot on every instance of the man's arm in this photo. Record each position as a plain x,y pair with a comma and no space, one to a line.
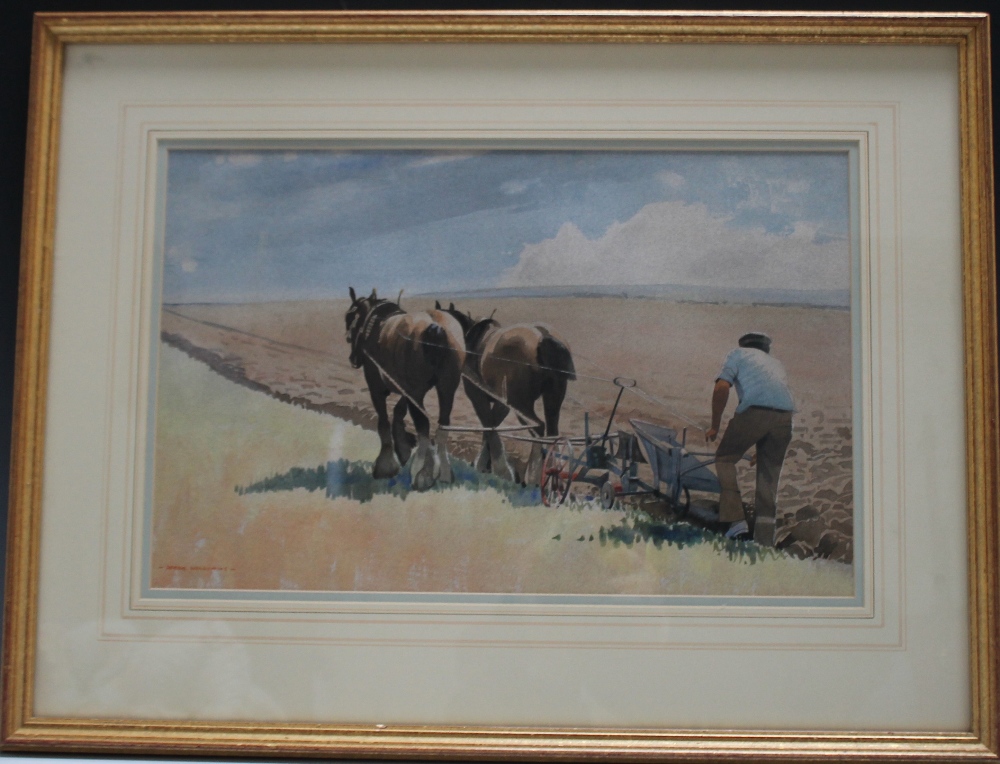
720,397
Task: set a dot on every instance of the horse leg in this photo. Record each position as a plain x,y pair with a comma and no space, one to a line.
424,466
483,458
446,400
533,469
499,465
553,396
386,464
492,457
481,404
402,440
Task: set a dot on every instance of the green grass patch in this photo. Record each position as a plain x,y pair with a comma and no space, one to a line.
353,480
637,527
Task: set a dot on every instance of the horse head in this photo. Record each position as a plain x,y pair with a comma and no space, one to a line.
356,320
473,329
478,330
465,320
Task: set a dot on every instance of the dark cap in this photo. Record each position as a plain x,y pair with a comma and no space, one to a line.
757,340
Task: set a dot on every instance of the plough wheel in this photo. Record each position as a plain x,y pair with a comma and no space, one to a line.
608,495
556,478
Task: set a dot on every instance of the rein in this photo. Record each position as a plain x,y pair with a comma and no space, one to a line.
386,376
382,311
365,332
475,337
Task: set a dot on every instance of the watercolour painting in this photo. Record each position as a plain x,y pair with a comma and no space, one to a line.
617,280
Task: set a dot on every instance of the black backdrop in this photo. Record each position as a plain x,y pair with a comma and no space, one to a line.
15,51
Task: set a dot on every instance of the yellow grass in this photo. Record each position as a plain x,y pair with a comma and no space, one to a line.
213,435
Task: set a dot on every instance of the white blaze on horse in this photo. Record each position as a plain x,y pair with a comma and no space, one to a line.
407,354
510,368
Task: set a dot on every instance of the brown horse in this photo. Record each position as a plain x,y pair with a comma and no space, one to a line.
510,368
407,354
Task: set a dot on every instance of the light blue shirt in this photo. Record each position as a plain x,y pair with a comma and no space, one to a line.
759,379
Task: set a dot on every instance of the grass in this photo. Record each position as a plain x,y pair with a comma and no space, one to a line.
234,508
354,481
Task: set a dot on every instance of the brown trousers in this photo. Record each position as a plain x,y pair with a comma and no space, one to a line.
770,431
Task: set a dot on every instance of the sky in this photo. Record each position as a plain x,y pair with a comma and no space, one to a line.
248,225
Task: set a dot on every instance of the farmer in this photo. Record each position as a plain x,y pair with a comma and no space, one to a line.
763,419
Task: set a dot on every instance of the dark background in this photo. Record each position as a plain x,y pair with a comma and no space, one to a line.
15,50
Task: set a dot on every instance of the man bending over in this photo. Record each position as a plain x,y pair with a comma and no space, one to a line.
763,419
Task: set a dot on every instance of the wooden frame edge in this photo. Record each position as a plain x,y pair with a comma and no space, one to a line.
52,32
31,361
981,378
497,744
509,26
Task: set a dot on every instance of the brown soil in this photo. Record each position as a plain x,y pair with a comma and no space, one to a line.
297,353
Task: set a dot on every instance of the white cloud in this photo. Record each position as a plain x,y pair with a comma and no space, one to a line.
433,159
779,196
189,265
672,179
678,243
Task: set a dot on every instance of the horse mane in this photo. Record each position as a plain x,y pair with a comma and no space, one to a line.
475,333
380,303
464,319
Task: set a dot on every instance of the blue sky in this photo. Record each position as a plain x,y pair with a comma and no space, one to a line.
287,224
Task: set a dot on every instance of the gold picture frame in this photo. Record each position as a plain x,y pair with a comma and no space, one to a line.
24,729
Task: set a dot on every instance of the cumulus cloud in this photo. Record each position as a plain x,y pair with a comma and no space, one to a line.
679,243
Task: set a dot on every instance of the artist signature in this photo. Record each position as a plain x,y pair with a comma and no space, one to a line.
198,568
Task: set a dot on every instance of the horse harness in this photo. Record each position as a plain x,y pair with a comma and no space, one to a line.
387,310
382,310
365,331
474,337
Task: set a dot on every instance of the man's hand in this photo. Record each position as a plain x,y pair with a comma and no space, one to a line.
711,434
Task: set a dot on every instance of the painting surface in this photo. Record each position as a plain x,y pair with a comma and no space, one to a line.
646,265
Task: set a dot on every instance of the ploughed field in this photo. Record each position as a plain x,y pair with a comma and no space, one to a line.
297,353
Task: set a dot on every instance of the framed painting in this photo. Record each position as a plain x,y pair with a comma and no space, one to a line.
506,386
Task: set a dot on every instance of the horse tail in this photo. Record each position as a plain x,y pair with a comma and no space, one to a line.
437,348
554,356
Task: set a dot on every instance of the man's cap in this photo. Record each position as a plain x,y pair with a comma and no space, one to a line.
757,340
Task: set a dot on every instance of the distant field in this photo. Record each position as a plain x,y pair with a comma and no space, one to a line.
214,437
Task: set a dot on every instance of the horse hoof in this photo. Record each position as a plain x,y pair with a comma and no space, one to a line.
423,482
386,467
532,476
446,475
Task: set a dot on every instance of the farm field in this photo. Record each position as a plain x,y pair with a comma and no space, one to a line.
263,390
